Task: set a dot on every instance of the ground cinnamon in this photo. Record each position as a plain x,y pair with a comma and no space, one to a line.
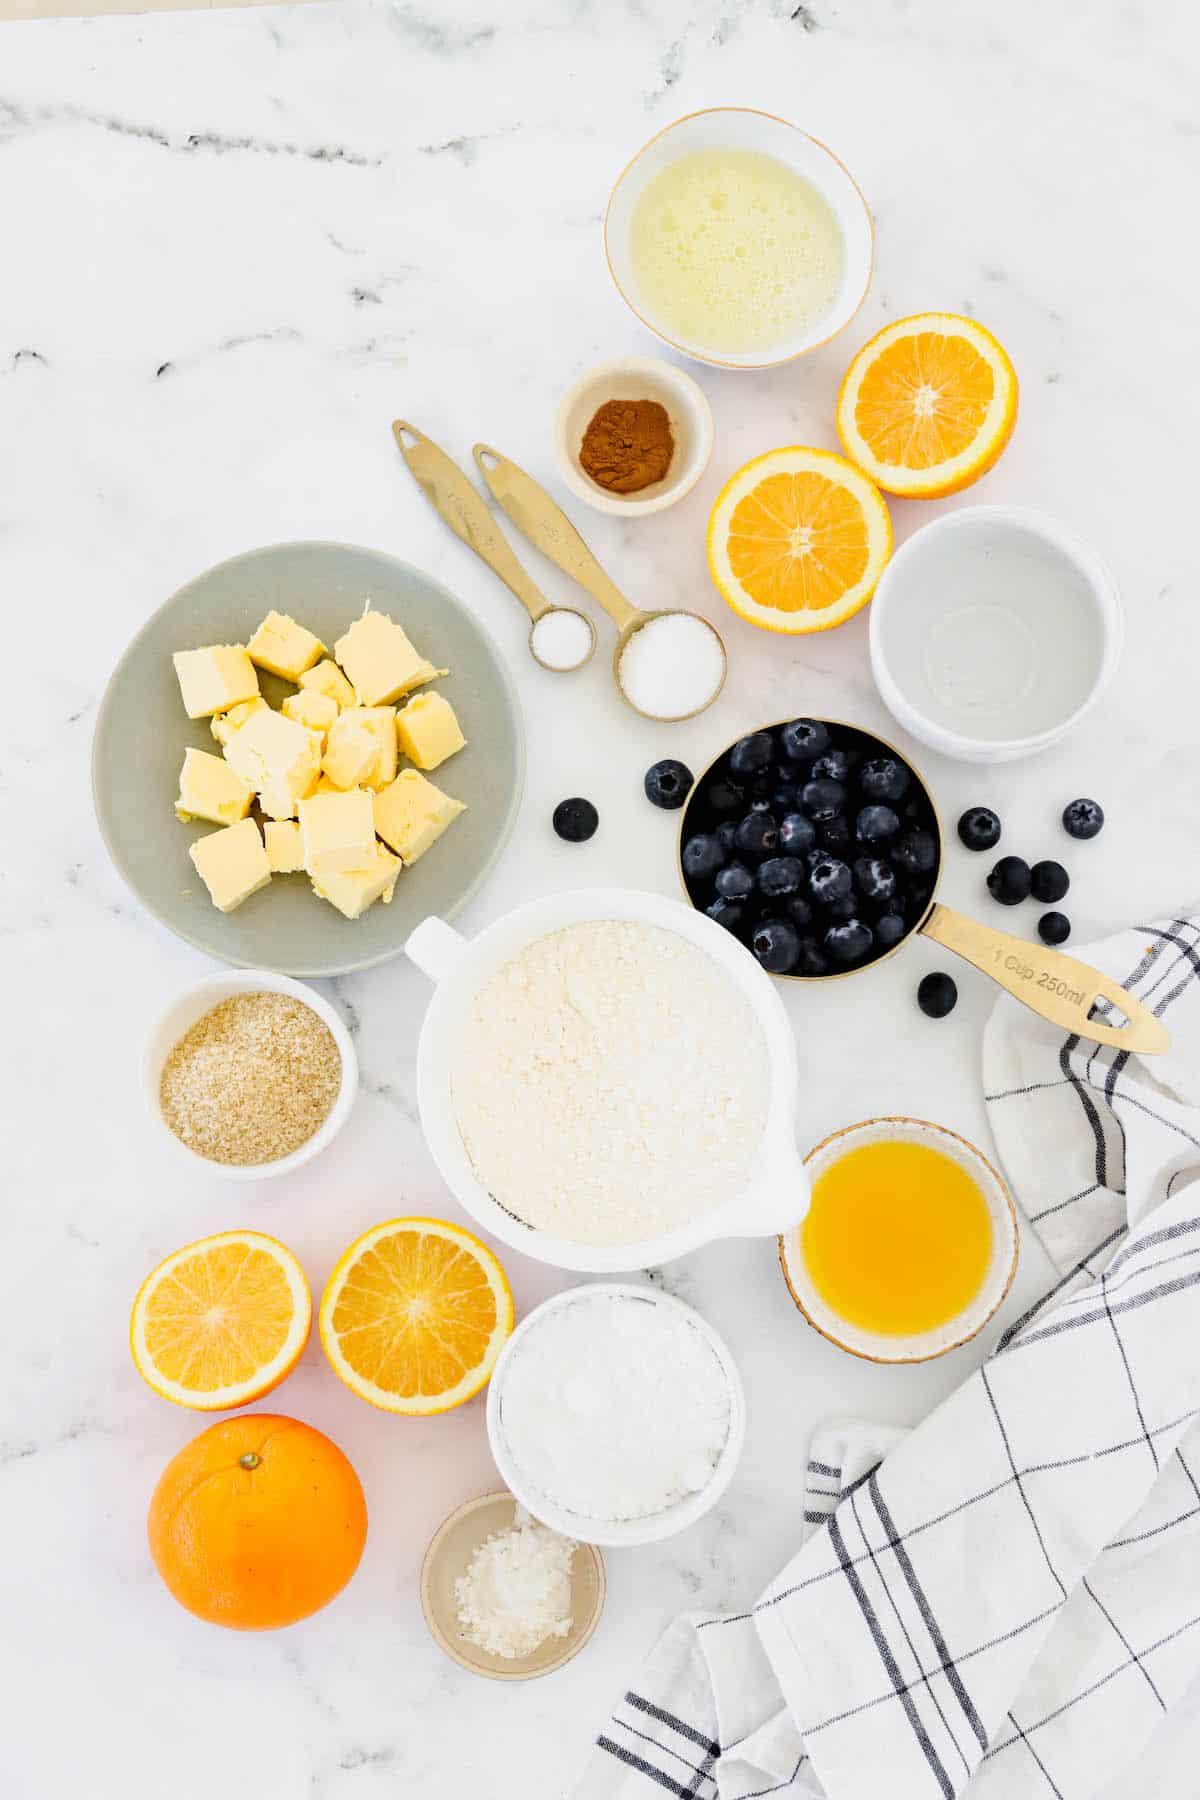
628,445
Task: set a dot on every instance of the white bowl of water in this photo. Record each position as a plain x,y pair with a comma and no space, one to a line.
993,631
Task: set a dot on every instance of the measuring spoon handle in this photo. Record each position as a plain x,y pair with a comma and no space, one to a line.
462,506
1052,984
548,528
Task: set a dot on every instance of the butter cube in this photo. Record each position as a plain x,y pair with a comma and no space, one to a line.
209,789
338,832
380,661
284,647
428,731
351,749
214,679
280,760
328,679
353,890
225,724
325,786
232,864
380,723
316,712
412,814
285,847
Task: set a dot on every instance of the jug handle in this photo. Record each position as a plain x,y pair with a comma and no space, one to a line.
435,947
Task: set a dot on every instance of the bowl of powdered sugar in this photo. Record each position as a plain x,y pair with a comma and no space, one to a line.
616,1415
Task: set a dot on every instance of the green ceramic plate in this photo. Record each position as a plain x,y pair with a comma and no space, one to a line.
142,732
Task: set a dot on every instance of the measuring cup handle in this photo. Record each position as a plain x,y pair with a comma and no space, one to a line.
1056,986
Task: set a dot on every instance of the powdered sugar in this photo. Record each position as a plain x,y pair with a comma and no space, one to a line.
516,1592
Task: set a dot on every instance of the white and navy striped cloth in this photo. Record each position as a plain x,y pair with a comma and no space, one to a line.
1009,1601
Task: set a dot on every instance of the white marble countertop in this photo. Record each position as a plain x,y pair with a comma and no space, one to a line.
235,246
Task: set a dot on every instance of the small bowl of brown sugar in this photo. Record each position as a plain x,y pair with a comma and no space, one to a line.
634,435
250,1073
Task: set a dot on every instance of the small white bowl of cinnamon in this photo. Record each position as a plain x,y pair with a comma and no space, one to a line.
634,435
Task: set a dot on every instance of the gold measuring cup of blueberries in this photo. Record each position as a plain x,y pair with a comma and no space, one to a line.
836,848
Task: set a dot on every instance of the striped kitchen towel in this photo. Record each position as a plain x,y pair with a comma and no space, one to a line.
1007,1599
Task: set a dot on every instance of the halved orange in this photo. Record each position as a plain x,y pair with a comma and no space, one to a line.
222,1321
797,540
415,1314
927,406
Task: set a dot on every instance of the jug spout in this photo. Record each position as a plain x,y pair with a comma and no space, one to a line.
779,1201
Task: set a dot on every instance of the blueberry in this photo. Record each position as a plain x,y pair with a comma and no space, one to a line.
779,875
876,879
979,828
788,770
668,783
812,960
724,795
833,766
776,945
843,909
724,835
799,911
1054,928
1049,883
1083,818
822,799
916,853
702,856
876,825
757,835
751,753
883,778
937,995
830,880
784,796
797,833
834,835
575,820
761,803
726,912
849,941
734,882
889,929
804,739
1010,881
917,899
760,783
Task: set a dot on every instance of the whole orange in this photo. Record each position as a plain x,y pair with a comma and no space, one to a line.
257,1522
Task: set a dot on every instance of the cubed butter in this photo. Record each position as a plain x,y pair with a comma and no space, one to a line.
379,723
353,890
428,731
338,832
411,814
379,659
225,724
351,749
209,789
280,760
316,712
284,647
328,679
285,846
232,864
214,679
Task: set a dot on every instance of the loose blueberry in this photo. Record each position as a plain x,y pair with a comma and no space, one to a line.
1049,882
757,835
979,828
833,766
724,795
822,799
916,853
804,739
937,995
834,835
876,880
812,960
575,820
830,880
797,833
778,876
750,754
883,778
1054,928
799,911
702,856
776,945
728,913
1083,818
876,825
889,929
1010,881
668,783
849,941
734,882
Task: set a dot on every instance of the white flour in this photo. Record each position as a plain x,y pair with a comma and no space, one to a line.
611,1083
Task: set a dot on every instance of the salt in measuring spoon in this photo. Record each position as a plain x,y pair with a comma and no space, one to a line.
457,500
548,528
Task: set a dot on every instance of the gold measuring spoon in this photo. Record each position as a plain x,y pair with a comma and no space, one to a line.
464,510
548,528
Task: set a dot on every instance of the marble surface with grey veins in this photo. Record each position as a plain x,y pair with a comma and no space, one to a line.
234,246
